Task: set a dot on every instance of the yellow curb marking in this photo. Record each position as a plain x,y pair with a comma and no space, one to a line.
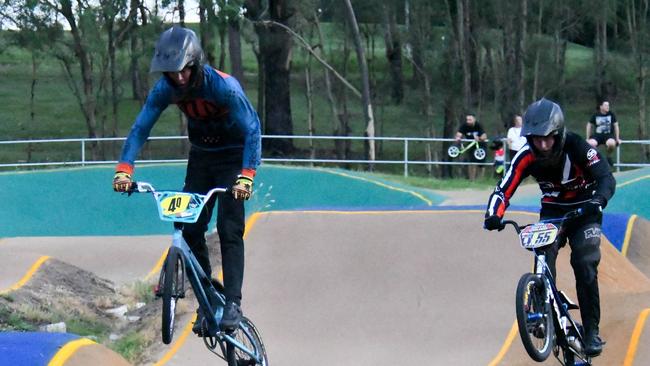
634,339
628,234
506,345
27,275
68,350
156,269
178,344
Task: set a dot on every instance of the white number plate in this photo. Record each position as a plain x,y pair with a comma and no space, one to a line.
538,235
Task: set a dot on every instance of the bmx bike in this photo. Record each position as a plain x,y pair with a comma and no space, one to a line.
241,346
543,318
459,148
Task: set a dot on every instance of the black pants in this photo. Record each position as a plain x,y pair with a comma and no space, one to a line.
584,240
207,170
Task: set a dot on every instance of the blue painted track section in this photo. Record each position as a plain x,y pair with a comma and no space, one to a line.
31,349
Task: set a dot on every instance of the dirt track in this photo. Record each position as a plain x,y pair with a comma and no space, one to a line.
382,288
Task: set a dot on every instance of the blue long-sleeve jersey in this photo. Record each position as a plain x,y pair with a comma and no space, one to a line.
219,114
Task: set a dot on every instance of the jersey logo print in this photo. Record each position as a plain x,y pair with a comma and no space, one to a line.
201,109
592,232
592,156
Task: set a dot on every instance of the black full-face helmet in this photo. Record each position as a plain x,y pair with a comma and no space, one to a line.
177,48
545,118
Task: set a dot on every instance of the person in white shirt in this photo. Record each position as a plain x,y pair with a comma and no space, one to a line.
515,140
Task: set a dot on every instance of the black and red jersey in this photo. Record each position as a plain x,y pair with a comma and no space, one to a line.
580,174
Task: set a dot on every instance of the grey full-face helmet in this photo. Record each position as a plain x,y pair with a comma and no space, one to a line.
176,48
545,118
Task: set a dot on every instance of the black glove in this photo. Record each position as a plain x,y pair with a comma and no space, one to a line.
493,223
592,207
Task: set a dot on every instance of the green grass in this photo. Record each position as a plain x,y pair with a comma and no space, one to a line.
450,184
131,346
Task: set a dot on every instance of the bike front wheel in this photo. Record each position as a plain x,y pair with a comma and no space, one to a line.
173,275
534,317
249,337
479,153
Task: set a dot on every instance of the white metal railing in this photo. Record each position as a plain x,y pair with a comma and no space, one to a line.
404,140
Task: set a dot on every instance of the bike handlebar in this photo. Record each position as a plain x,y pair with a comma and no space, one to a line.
569,215
146,187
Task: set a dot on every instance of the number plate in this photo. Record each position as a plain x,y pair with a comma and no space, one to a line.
538,235
179,206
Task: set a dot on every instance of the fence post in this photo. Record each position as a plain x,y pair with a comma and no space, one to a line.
406,158
83,152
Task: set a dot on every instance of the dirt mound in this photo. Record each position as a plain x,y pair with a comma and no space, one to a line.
638,251
62,293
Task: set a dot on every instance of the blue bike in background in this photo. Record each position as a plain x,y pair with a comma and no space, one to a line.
543,317
243,346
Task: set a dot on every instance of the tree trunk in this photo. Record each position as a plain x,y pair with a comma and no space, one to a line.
310,110
87,100
276,51
181,12
637,24
234,49
393,52
365,93
206,20
538,49
222,48
520,57
326,74
600,53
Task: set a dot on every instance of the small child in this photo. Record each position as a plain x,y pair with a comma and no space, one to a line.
499,157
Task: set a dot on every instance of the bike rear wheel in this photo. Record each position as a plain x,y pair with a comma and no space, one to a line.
453,151
248,336
534,317
173,275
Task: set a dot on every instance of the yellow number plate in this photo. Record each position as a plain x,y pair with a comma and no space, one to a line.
173,205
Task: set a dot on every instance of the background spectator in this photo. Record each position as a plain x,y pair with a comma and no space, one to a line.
471,130
606,129
515,140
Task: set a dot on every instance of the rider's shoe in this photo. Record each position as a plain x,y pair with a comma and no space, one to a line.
593,345
232,315
197,328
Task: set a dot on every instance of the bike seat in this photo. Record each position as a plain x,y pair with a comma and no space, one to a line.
569,303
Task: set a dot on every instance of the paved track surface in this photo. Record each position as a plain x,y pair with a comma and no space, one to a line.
119,259
424,287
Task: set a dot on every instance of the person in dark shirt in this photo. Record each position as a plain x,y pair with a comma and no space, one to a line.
605,126
571,174
471,130
224,133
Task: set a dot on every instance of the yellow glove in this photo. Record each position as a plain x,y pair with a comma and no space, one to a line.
122,182
243,187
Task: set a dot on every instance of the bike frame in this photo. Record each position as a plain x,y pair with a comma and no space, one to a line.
553,297
464,148
206,295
